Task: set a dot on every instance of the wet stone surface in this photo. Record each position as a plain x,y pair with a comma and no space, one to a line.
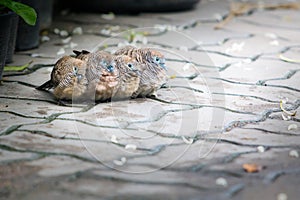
230,100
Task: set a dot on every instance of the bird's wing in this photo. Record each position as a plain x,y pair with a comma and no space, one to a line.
45,86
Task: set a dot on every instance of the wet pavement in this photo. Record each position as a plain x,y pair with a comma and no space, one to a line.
231,100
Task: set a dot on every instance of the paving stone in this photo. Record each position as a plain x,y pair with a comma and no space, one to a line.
262,138
292,53
267,93
215,58
292,82
272,191
23,58
196,184
121,113
258,70
9,156
188,122
285,19
9,122
48,194
41,75
86,187
238,103
248,46
173,39
40,109
289,34
205,36
18,91
278,126
14,177
185,156
60,165
23,141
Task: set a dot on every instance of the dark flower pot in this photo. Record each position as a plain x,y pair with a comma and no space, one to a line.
5,21
45,14
130,6
12,37
28,36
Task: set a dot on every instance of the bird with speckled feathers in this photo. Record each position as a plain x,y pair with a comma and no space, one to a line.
102,75
152,68
128,77
68,79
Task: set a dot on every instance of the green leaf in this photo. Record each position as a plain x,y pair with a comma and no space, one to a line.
26,12
16,68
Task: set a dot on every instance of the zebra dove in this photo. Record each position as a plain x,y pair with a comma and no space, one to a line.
128,77
68,79
102,75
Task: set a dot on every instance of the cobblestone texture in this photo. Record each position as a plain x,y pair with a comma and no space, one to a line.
220,110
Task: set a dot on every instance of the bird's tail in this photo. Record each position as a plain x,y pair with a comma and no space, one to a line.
46,86
77,53
82,52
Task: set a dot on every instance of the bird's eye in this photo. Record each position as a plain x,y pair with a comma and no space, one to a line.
129,65
156,60
110,68
75,69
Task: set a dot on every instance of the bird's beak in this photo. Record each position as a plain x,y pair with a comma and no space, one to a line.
110,69
79,77
134,69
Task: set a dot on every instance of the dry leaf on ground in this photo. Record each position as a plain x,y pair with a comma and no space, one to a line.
252,167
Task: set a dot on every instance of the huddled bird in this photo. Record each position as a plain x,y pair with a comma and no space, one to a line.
128,73
68,79
102,75
152,68
128,77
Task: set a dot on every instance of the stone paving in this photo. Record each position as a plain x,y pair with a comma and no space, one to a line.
219,110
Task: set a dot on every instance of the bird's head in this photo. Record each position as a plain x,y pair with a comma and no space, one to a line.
78,69
157,58
106,61
127,65
108,64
